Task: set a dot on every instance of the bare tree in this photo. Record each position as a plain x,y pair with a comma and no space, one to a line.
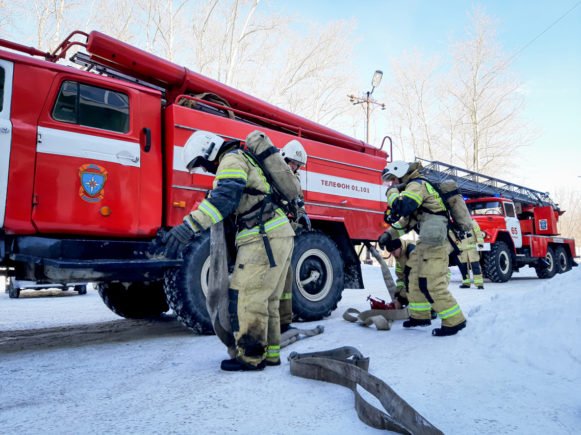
470,114
569,200
4,16
413,102
488,98
163,22
116,18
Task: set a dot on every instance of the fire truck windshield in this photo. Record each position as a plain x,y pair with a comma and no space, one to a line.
490,207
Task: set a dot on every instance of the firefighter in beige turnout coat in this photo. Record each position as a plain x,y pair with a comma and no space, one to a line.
256,286
296,157
469,258
415,200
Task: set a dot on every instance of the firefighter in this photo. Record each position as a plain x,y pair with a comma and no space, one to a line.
412,199
469,258
295,156
256,286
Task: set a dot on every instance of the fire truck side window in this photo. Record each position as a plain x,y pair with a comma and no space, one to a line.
91,106
509,209
2,75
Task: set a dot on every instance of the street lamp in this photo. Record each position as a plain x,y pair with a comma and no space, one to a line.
368,101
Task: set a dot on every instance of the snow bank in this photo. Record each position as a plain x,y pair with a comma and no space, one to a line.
539,328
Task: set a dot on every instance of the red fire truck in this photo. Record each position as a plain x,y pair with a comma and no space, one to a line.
519,224
91,172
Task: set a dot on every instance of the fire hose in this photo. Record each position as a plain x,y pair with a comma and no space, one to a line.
346,366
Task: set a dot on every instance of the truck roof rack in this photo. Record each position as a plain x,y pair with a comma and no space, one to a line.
475,185
88,64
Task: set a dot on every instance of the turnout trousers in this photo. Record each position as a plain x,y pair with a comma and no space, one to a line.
254,295
469,260
428,285
286,300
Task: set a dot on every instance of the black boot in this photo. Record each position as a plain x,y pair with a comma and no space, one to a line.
464,285
237,365
412,323
480,287
269,363
444,331
286,327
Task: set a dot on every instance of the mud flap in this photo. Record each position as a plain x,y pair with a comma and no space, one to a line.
217,299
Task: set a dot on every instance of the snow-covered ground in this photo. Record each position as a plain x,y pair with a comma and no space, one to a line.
516,368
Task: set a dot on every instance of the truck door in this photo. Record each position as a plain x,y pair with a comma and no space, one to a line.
90,153
6,69
512,224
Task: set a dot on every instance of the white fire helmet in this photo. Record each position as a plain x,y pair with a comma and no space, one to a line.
295,151
396,169
201,148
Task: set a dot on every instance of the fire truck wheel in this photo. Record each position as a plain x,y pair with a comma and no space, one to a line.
546,271
318,276
562,260
138,300
498,263
187,286
13,291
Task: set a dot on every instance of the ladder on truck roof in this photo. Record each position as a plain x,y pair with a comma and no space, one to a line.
474,185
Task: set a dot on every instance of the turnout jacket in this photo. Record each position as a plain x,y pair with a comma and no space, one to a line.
413,203
239,188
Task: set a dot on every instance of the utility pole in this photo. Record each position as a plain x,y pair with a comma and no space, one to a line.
368,103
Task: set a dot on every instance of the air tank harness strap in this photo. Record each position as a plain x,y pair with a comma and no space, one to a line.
262,232
265,154
346,366
260,219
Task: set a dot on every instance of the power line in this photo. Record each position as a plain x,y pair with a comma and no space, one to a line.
542,33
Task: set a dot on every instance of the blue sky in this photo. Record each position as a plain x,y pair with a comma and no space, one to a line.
550,67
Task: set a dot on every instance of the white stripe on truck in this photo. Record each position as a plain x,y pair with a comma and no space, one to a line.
87,146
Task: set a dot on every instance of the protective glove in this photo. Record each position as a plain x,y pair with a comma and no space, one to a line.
303,219
384,240
177,238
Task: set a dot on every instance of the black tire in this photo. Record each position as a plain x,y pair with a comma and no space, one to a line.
139,300
563,260
497,264
80,289
186,287
316,258
13,291
550,270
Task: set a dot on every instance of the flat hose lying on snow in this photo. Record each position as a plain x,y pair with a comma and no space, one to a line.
381,319
346,366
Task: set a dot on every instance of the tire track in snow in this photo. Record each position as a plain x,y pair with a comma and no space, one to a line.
89,334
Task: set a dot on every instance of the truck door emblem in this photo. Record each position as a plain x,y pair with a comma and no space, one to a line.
93,178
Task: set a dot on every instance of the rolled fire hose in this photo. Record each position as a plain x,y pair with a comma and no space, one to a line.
217,298
218,282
